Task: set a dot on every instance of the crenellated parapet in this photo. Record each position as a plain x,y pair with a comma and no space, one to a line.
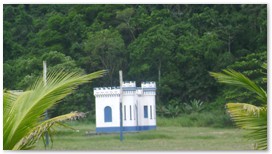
106,91
128,87
148,88
150,84
129,84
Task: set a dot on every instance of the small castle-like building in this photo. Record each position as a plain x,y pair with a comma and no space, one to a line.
139,107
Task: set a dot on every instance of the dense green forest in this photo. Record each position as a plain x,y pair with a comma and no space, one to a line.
174,45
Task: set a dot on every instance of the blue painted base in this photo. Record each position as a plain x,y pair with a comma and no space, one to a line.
125,129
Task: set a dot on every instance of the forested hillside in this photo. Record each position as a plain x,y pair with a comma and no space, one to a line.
174,45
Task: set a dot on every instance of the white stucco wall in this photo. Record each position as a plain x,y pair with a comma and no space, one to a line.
101,103
147,100
129,101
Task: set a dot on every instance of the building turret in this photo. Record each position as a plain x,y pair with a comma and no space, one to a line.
149,88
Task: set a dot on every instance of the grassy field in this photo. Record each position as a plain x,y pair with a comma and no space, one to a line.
162,139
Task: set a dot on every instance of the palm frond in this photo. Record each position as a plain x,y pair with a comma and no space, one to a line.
37,132
232,77
11,112
8,99
252,118
247,116
30,105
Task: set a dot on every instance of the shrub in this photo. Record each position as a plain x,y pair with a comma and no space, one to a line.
198,119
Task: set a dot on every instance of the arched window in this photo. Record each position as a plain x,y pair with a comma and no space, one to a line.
107,114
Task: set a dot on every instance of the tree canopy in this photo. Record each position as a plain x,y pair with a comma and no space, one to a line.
174,45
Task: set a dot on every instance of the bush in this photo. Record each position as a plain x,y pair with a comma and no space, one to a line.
193,106
175,108
203,119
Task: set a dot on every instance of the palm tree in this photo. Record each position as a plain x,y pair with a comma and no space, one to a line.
246,116
24,113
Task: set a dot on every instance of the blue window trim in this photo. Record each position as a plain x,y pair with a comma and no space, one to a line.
130,113
125,113
150,111
107,114
145,111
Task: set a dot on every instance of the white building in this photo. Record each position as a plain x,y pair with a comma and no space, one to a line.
139,107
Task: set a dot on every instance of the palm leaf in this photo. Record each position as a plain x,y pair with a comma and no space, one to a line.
37,132
232,77
8,99
247,116
252,118
26,110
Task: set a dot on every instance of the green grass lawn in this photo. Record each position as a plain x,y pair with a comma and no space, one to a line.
164,138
